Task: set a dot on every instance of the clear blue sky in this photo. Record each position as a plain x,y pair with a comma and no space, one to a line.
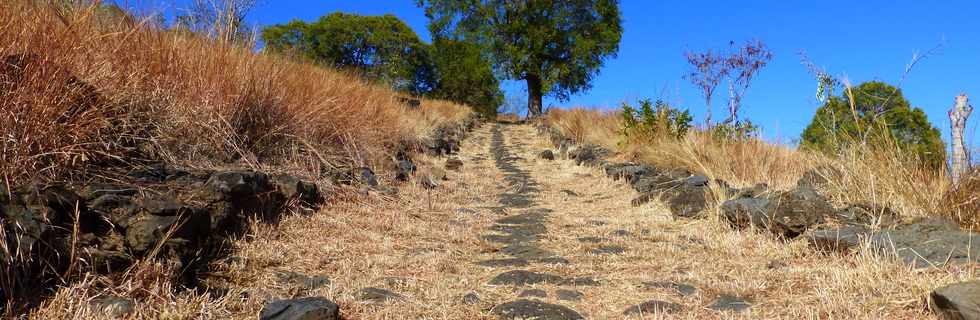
866,40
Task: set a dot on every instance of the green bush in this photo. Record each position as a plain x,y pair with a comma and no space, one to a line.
655,119
739,130
880,116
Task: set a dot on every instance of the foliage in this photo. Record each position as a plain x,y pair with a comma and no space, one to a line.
382,48
464,76
874,113
735,131
557,47
655,120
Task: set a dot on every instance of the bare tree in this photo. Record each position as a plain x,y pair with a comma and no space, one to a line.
707,70
957,118
224,19
743,64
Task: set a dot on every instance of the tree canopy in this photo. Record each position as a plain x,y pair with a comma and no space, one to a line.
556,46
880,111
464,76
382,48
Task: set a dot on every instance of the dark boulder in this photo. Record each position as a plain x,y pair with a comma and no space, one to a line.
959,301
309,308
404,169
686,200
533,309
928,242
546,155
837,239
787,214
454,164
588,154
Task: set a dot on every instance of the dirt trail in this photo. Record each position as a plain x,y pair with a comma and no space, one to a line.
514,236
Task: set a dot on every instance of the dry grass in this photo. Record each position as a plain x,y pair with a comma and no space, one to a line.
878,174
79,88
428,255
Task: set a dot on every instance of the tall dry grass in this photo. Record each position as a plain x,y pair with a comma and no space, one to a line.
79,88
879,174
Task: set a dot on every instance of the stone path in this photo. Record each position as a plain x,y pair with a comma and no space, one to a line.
529,237
512,234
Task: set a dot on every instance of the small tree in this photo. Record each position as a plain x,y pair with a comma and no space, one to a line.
744,62
707,70
740,66
223,19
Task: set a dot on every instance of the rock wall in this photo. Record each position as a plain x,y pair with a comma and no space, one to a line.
165,212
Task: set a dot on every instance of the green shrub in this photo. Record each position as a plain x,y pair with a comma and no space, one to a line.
874,114
738,130
655,119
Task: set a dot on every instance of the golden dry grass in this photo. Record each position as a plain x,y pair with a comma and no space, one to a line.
871,174
79,88
428,256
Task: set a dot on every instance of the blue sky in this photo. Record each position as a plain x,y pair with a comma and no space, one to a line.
864,40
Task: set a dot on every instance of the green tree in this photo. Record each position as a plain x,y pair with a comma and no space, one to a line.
879,112
464,76
556,46
381,48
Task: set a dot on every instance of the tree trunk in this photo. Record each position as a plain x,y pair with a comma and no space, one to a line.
957,118
533,96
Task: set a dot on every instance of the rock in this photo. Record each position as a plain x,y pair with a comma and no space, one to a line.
470,298
696,181
547,155
588,154
687,200
730,303
378,295
621,233
591,239
837,239
568,295
611,249
305,281
536,293
683,289
629,171
293,187
146,232
114,307
864,214
957,301
787,214
652,307
532,309
928,242
497,263
524,277
454,164
366,176
309,308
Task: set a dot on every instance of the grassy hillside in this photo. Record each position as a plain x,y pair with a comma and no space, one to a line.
85,88
880,174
